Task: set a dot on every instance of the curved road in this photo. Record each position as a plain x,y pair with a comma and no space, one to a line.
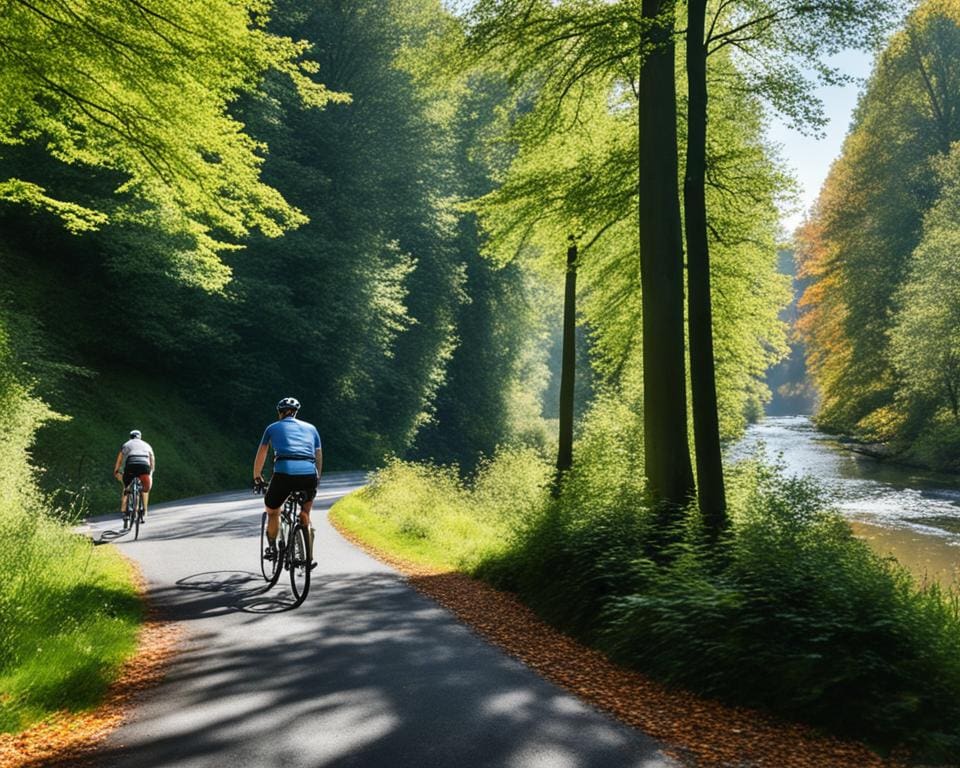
366,673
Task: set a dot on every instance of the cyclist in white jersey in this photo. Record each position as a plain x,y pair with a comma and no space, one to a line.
135,459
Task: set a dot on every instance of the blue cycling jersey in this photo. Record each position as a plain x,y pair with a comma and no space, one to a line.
295,444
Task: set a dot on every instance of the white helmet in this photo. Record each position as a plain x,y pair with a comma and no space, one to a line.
288,404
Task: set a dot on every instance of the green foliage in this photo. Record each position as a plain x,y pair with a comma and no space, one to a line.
144,90
925,338
573,171
790,612
857,246
795,615
378,314
428,514
69,613
787,46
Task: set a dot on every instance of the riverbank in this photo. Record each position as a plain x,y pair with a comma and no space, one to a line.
790,615
900,510
698,732
929,557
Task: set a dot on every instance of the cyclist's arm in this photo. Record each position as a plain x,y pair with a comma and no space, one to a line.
119,461
153,462
319,463
258,461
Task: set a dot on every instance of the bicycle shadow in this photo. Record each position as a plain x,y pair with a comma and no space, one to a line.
108,536
244,591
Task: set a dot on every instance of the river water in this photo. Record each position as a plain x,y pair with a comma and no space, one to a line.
909,513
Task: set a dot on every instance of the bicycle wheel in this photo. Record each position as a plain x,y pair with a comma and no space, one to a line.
269,568
300,563
136,504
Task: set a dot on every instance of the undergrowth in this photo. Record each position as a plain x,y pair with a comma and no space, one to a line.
69,612
789,612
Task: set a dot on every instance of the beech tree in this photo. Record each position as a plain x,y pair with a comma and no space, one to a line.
859,246
780,36
143,88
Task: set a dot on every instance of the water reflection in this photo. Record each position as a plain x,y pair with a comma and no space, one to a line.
911,513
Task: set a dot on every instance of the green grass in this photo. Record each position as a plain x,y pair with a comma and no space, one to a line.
789,613
70,617
194,455
69,614
426,515
69,611
356,514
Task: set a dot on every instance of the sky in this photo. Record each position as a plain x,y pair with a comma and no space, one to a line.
809,158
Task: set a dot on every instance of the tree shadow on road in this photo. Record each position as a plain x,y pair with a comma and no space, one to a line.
365,674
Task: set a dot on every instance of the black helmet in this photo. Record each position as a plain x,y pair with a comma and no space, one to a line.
288,404
134,434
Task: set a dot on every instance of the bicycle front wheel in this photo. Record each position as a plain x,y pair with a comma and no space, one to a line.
269,568
300,563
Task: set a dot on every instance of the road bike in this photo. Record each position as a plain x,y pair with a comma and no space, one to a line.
293,552
133,509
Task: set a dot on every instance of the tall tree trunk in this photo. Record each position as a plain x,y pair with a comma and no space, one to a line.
703,385
568,367
667,452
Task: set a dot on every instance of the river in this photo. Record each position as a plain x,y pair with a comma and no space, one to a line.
909,513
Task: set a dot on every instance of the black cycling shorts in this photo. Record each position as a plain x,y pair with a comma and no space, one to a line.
142,471
282,485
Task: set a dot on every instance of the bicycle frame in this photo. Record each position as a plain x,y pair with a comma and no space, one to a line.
294,548
133,509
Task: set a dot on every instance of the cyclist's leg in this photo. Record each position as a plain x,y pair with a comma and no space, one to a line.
147,480
273,500
273,524
310,491
305,512
125,479
307,485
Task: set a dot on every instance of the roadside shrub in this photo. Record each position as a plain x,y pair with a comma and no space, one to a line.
793,614
574,552
428,511
69,612
788,612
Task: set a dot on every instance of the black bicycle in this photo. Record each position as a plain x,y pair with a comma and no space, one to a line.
293,547
133,509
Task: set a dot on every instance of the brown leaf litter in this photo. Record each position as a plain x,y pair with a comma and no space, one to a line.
698,732
68,736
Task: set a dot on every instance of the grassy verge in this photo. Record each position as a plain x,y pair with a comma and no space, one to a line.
194,456
69,611
790,613
427,516
70,617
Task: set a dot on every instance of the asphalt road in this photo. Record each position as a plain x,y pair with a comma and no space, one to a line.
366,673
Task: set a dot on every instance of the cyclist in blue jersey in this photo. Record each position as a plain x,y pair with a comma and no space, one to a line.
297,465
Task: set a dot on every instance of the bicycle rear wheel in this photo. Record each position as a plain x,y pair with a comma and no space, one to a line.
300,563
136,501
269,568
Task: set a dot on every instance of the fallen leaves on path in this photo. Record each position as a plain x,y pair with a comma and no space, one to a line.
696,731
67,736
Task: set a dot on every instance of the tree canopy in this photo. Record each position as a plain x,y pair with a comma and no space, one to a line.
144,89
